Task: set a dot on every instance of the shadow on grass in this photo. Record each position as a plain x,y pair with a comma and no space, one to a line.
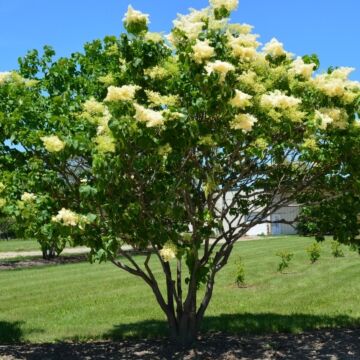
263,323
150,344
12,332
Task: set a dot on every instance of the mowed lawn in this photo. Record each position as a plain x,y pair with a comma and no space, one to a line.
18,245
84,301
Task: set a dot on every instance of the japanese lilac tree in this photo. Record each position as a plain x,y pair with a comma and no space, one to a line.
139,140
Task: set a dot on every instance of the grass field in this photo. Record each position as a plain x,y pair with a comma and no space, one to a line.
83,301
18,245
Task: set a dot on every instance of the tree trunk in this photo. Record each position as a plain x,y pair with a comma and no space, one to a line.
185,328
48,253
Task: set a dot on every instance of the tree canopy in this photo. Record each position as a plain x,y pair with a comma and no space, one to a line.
139,139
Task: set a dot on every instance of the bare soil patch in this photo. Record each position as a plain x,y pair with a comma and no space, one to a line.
330,344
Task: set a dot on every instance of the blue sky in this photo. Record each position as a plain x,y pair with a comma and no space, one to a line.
329,28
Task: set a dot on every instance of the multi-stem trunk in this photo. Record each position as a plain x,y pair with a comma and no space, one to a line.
185,323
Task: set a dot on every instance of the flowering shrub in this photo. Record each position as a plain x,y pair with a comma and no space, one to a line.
139,140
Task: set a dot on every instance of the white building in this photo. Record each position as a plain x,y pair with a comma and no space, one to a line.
287,213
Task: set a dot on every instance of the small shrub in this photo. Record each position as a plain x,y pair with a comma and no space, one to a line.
285,258
240,273
336,249
314,251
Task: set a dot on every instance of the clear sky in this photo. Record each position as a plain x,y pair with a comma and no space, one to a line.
329,28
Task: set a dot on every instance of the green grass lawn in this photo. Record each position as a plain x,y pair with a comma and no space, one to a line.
83,301
18,245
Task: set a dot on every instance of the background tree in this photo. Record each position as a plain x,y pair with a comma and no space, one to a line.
141,139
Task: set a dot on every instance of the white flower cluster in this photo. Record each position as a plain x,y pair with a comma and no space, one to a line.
28,197
191,30
150,117
168,252
191,24
335,116
274,48
240,100
4,77
220,67
52,143
240,28
99,114
243,122
70,218
134,16
336,84
202,51
123,93
93,107
154,37
325,119
279,100
298,67
229,5
156,99
67,217
342,73
244,46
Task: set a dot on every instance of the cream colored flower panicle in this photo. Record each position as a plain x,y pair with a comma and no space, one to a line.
339,117
298,67
336,84
154,36
2,202
150,117
168,252
103,121
2,187
245,40
330,86
342,73
325,119
220,67
156,72
274,48
93,107
240,28
52,143
66,217
135,16
243,122
123,93
191,30
191,24
4,77
240,100
244,46
279,100
156,99
202,51
229,5
28,197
